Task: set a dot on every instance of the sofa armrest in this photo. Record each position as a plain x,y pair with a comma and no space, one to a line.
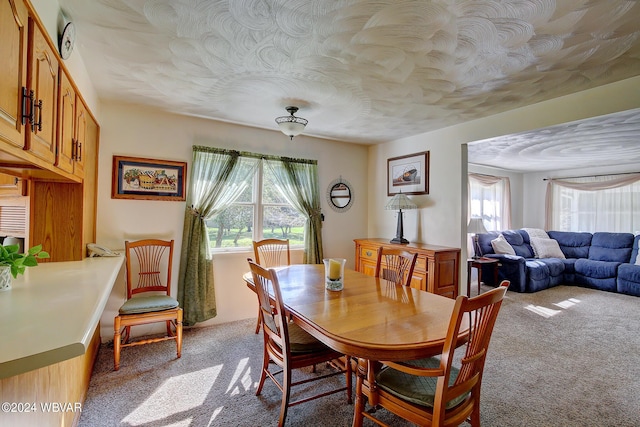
512,268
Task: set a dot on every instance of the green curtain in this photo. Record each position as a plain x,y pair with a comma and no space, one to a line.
218,177
297,180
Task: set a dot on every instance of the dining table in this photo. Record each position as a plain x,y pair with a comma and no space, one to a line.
370,318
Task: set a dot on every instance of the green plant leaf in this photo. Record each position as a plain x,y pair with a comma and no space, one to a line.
34,250
30,261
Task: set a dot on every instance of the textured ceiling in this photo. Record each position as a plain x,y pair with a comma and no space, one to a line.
608,140
360,71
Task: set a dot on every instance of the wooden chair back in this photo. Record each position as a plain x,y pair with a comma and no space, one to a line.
290,347
395,265
464,389
149,263
272,252
272,313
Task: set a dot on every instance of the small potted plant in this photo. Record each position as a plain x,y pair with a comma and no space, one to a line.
14,263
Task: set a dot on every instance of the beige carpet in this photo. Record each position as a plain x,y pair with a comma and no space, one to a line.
567,356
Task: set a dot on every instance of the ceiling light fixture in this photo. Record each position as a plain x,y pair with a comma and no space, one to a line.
291,125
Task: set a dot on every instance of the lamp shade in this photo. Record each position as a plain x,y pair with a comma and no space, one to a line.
291,125
476,226
400,201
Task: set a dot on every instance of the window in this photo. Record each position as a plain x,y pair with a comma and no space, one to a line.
261,211
603,203
489,198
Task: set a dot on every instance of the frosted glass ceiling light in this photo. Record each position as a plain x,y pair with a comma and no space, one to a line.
291,125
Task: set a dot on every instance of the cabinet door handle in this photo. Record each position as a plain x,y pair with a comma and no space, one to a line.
37,124
27,106
79,151
369,253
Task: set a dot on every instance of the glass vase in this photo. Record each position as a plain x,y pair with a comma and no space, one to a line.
334,273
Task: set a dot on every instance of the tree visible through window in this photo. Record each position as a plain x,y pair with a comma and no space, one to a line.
260,212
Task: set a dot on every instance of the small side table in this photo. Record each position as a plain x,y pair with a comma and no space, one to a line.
478,263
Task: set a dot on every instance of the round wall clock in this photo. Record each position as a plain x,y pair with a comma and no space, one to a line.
67,40
340,195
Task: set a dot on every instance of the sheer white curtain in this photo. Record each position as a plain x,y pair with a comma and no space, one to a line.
596,203
490,199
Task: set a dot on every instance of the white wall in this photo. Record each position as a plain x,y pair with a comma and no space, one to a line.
142,132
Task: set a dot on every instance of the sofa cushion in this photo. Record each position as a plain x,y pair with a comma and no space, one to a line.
501,246
569,271
484,241
615,247
629,279
572,244
517,241
596,269
546,248
635,253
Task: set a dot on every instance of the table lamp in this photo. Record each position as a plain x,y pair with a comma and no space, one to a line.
399,202
475,227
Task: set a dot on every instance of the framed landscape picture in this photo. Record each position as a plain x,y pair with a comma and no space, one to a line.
408,174
148,179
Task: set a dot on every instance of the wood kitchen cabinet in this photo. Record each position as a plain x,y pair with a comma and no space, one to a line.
437,267
13,71
48,137
12,186
43,80
73,121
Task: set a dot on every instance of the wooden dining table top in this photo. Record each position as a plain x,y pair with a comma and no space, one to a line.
370,318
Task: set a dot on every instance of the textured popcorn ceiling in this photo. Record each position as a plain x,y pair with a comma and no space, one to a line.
361,71
613,139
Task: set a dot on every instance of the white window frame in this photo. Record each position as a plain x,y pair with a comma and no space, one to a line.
258,210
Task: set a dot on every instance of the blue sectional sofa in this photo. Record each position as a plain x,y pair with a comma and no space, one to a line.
604,261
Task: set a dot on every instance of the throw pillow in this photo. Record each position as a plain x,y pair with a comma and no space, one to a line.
546,248
501,246
638,257
536,232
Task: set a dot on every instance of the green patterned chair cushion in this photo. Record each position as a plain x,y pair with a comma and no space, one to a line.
302,342
413,388
145,304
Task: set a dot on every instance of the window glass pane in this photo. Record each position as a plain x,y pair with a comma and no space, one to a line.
270,193
612,210
231,228
246,196
283,222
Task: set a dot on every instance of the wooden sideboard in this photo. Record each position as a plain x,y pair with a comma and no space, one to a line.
437,268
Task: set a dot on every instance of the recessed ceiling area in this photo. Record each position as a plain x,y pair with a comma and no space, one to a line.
367,71
610,140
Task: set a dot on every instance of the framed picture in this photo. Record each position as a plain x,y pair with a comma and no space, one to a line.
148,179
408,174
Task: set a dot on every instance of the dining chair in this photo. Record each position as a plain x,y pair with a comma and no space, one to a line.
149,300
271,253
435,391
288,346
395,265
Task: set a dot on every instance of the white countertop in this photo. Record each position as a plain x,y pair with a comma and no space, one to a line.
51,312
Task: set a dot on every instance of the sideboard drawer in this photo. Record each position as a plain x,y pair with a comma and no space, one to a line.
369,253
